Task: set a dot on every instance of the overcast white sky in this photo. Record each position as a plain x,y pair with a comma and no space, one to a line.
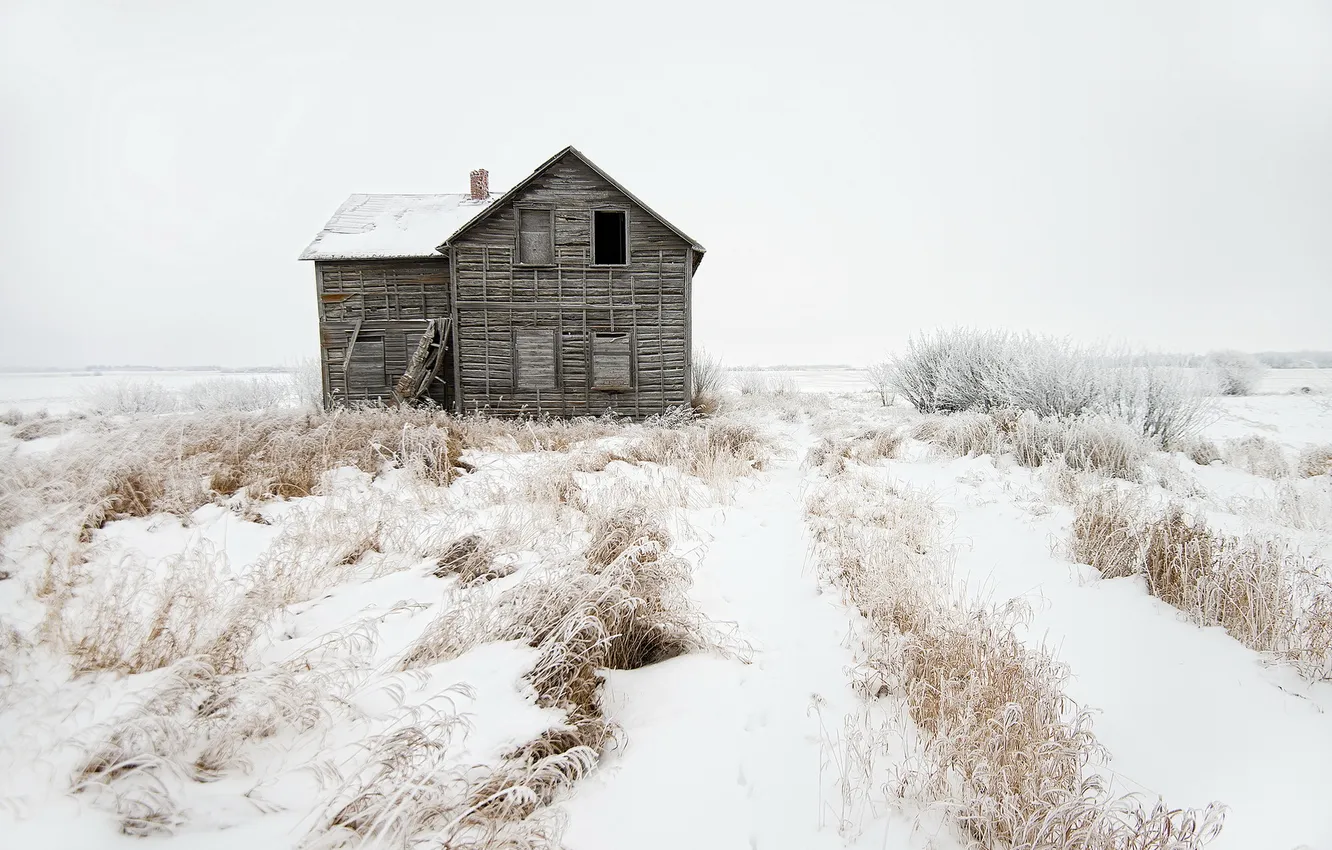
1152,172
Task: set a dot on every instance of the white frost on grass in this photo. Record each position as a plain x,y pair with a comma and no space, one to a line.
744,745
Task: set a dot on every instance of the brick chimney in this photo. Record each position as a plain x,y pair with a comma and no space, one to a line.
480,184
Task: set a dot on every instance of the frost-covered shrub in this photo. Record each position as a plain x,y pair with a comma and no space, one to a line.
1256,455
126,397
308,384
751,383
1234,372
881,379
239,394
1167,403
757,383
983,371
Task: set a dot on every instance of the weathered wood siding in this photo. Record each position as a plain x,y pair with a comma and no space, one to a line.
501,304
386,303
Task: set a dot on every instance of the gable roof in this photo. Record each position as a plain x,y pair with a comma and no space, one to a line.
391,226
540,169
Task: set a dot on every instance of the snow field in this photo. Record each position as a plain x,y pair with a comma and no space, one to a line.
310,665
1186,714
813,622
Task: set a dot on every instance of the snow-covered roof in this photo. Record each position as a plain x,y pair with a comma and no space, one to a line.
389,226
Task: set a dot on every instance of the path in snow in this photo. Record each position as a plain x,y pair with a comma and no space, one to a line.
721,754
1187,713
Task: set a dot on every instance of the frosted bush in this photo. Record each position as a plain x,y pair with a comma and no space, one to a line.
984,371
127,397
239,394
1234,372
1257,455
881,378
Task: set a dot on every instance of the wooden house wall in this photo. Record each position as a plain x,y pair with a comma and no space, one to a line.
391,299
573,300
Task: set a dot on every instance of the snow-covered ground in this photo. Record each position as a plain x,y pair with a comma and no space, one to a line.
1273,381
67,392
63,392
368,664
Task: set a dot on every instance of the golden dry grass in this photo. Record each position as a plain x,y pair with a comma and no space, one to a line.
1003,749
1263,593
1314,461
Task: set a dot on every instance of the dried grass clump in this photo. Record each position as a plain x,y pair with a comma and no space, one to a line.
197,725
471,559
715,452
962,435
878,444
178,464
1105,533
1302,504
614,532
1085,444
493,434
1199,450
408,788
42,425
1002,747
1256,455
1264,594
1314,461
140,618
624,607
707,383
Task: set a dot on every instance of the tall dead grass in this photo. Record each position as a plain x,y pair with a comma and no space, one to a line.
1084,444
622,605
1002,747
1263,593
1256,455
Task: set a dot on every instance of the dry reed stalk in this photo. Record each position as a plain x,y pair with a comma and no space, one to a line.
1265,595
1004,749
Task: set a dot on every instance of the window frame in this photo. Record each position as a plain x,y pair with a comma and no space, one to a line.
363,337
592,237
516,370
594,338
518,212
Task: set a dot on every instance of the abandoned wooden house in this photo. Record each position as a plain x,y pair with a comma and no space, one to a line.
566,295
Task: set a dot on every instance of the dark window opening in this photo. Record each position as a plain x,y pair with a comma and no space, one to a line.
536,237
610,238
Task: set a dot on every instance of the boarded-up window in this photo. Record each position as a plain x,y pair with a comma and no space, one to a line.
534,368
573,360
366,368
612,362
536,237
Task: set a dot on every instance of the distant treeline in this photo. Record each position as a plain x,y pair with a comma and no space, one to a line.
787,367
96,369
1295,359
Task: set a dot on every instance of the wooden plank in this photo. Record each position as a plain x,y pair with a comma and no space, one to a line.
612,361
553,306
534,359
351,343
453,311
